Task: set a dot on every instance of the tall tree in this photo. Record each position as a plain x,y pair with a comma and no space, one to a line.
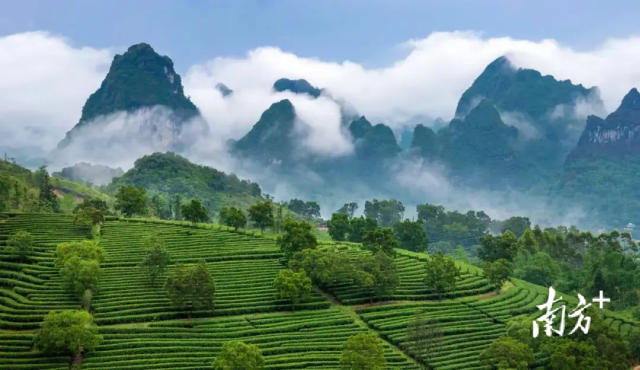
411,235
493,248
498,272
194,212
177,207
339,226
292,286
65,332
380,239
517,225
131,200
191,289
363,352
79,264
385,212
296,237
361,225
156,257
348,209
48,200
261,214
237,355
377,274
441,273
233,217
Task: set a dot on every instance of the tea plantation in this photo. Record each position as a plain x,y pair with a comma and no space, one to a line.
142,331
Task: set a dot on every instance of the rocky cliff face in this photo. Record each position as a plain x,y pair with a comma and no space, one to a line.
139,78
615,137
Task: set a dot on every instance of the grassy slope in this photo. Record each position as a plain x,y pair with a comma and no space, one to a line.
142,331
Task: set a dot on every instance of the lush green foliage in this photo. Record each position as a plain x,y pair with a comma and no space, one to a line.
169,174
339,226
237,355
191,289
441,273
498,272
194,212
380,239
411,235
297,236
509,354
65,332
20,244
132,200
363,352
261,214
156,258
233,217
292,286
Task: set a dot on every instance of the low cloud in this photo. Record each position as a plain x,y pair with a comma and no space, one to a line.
45,81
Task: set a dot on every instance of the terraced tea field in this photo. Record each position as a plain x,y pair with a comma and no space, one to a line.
143,332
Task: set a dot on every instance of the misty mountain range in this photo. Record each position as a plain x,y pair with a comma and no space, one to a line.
520,142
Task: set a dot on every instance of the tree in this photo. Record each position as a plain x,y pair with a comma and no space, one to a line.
96,203
339,226
5,193
423,338
538,268
48,200
493,248
233,217
131,200
194,212
296,237
292,286
79,264
156,258
360,226
498,272
380,239
363,352
528,242
411,235
85,249
66,332
88,217
236,355
191,289
261,214
348,209
177,206
385,212
20,244
441,273
517,225
377,274
323,267
508,354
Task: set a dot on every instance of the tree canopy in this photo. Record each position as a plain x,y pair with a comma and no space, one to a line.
64,332
363,352
237,355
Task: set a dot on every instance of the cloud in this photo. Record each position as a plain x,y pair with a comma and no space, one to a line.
44,82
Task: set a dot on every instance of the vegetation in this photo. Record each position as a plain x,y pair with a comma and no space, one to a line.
239,355
156,258
297,236
294,287
191,289
363,352
194,212
66,332
20,244
441,273
261,214
233,217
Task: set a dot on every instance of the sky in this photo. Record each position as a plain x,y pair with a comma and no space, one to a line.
364,31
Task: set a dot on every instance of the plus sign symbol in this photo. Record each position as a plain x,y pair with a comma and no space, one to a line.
601,300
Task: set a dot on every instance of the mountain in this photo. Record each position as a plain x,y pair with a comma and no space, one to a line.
86,172
522,90
297,87
224,90
139,78
269,140
425,142
374,144
168,174
601,171
481,142
615,137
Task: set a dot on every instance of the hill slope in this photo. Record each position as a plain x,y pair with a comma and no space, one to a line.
169,174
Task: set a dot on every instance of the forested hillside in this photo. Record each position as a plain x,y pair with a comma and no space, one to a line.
167,175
